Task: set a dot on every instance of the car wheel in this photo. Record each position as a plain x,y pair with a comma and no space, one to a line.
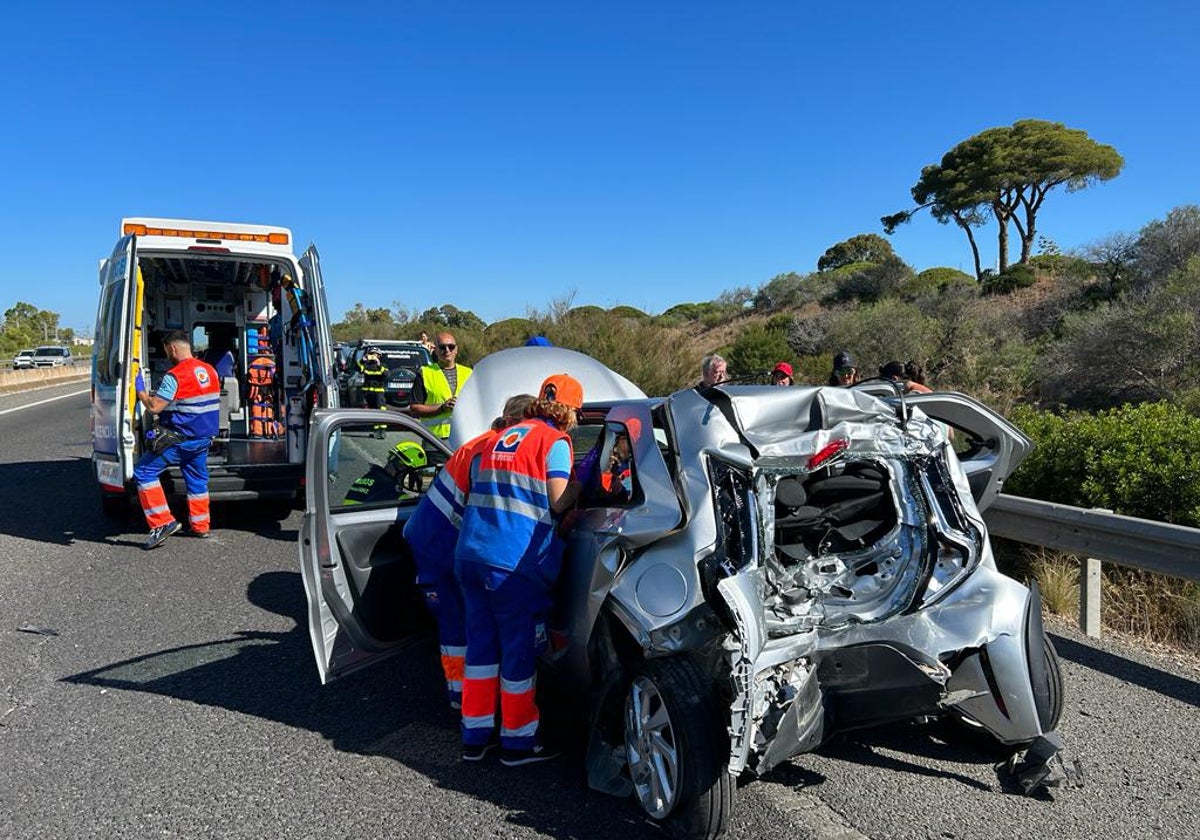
676,748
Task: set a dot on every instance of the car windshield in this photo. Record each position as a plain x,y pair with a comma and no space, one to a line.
50,351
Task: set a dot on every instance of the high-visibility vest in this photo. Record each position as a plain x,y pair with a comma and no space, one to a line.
507,523
195,410
432,530
437,391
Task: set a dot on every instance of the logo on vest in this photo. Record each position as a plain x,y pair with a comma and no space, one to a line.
510,440
202,376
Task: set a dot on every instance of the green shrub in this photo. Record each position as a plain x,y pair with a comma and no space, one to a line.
936,280
757,350
1062,265
1015,277
1137,460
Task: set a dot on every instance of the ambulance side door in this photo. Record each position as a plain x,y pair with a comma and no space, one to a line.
359,575
314,286
114,400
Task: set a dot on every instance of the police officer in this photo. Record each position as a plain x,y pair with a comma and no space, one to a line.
431,533
507,559
188,401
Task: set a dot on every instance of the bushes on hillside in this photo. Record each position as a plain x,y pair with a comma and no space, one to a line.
1141,460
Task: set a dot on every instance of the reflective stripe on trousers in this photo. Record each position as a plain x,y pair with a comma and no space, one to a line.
503,614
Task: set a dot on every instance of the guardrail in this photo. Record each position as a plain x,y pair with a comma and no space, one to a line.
1097,535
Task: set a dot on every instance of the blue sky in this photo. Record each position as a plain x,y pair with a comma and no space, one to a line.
503,155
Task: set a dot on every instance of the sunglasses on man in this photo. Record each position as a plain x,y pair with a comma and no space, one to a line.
845,371
446,346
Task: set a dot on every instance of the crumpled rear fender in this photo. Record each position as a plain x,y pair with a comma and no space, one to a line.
974,643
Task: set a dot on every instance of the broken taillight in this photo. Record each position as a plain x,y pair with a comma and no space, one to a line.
827,452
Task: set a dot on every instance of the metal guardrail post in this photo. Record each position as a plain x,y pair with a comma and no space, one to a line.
1089,597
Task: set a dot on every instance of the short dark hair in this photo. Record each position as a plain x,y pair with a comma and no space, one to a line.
177,337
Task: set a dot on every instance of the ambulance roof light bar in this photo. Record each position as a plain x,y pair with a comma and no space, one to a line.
273,238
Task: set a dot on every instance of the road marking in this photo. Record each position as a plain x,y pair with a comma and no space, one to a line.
43,402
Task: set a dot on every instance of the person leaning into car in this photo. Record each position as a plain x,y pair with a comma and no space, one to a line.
431,533
188,399
507,560
436,390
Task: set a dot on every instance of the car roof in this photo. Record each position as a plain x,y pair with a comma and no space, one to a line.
518,370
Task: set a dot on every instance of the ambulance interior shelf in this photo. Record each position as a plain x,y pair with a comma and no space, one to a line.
248,302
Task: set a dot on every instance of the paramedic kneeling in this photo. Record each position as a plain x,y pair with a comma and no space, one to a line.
507,559
188,400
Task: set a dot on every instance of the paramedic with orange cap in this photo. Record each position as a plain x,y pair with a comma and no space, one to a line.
507,559
431,533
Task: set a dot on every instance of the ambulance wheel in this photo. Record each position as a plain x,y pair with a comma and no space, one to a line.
676,748
115,506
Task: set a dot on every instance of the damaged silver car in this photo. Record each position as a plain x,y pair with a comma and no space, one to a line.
781,565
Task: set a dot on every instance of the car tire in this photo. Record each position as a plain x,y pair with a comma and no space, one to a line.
971,729
1054,682
676,749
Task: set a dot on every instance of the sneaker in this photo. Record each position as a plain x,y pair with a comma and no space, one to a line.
515,758
200,535
476,752
159,535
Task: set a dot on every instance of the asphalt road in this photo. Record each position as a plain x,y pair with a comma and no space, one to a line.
172,694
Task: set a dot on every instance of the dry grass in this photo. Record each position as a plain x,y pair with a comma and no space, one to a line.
1133,602
1057,575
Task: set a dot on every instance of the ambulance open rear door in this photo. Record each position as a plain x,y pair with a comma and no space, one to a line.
116,357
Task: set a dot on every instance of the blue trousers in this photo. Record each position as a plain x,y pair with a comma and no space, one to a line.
506,630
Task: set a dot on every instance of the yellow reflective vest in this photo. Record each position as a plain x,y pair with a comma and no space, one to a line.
437,391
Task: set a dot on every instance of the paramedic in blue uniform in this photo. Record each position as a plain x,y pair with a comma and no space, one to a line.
188,399
507,559
432,532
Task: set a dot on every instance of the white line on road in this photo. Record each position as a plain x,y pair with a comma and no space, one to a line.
43,402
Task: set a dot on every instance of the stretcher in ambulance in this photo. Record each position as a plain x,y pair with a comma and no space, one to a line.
253,310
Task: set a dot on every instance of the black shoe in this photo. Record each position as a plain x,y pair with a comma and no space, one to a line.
476,752
159,535
200,535
515,758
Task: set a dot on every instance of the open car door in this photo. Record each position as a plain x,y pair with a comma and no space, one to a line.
358,572
988,446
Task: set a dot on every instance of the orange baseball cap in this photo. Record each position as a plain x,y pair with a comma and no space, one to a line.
562,388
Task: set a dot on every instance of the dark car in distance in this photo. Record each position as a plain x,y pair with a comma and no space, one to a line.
403,359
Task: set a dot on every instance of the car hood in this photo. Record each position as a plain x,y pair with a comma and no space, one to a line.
521,370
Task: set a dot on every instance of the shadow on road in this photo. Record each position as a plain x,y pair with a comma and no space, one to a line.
395,709
1127,670
57,502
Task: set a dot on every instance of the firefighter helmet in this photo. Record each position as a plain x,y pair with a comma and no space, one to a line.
406,459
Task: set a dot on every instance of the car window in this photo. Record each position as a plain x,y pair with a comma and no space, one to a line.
379,468
612,481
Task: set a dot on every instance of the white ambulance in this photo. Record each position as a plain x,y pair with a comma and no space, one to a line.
253,310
